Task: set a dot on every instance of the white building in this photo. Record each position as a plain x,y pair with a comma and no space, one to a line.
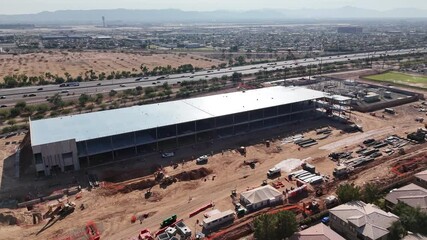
261,197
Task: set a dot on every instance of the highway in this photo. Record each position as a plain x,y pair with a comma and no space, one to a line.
39,94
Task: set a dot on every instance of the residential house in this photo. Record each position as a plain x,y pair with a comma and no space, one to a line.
317,232
412,195
421,179
358,220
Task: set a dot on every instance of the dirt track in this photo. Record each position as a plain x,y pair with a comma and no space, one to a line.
75,63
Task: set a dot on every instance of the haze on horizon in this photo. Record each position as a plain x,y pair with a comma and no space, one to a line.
35,6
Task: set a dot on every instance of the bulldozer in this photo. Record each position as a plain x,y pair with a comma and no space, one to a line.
166,181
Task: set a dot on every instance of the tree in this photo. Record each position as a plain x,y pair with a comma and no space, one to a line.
83,99
275,226
236,77
263,227
99,98
57,101
112,93
348,192
286,224
413,219
21,105
370,193
396,231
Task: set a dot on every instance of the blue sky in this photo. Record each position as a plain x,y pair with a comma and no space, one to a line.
34,6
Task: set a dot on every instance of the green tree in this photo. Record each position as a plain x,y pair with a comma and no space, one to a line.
348,192
370,193
275,226
57,101
286,224
83,99
396,231
112,93
99,98
236,77
264,227
14,112
21,105
42,108
413,219
149,90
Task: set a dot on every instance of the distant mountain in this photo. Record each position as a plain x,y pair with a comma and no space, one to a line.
117,16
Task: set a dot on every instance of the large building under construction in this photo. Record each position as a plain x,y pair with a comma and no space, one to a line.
79,141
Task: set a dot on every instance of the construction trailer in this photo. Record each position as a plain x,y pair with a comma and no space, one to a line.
217,220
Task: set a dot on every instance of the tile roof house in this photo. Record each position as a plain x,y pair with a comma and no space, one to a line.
413,195
421,179
358,220
317,232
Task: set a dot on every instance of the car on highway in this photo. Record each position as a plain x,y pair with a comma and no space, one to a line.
168,154
31,95
138,79
3,106
65,91
192,77
3,97
122,85
99,84
145,77
160,78
39,89
25,95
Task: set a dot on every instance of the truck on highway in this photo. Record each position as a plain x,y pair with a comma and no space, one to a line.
70,84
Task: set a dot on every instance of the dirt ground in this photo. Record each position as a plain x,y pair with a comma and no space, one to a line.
75,63
112,211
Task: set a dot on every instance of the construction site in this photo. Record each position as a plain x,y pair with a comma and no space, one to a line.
213,189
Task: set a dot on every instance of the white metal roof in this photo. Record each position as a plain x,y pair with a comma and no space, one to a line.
112,122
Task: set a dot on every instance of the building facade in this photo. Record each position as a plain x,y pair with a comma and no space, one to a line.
80,141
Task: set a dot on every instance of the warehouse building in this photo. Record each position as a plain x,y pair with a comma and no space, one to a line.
79,141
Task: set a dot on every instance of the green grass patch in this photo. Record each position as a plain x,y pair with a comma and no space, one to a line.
400,78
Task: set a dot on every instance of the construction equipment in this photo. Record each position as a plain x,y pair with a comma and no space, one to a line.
264,182
166,181
92,231
66,209
145,235
148,194
168,221
242,150
341,172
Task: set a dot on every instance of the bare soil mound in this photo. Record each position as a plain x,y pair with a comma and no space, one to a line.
9,218
193,174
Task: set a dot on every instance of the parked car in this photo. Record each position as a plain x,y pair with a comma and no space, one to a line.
202,159
168,154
